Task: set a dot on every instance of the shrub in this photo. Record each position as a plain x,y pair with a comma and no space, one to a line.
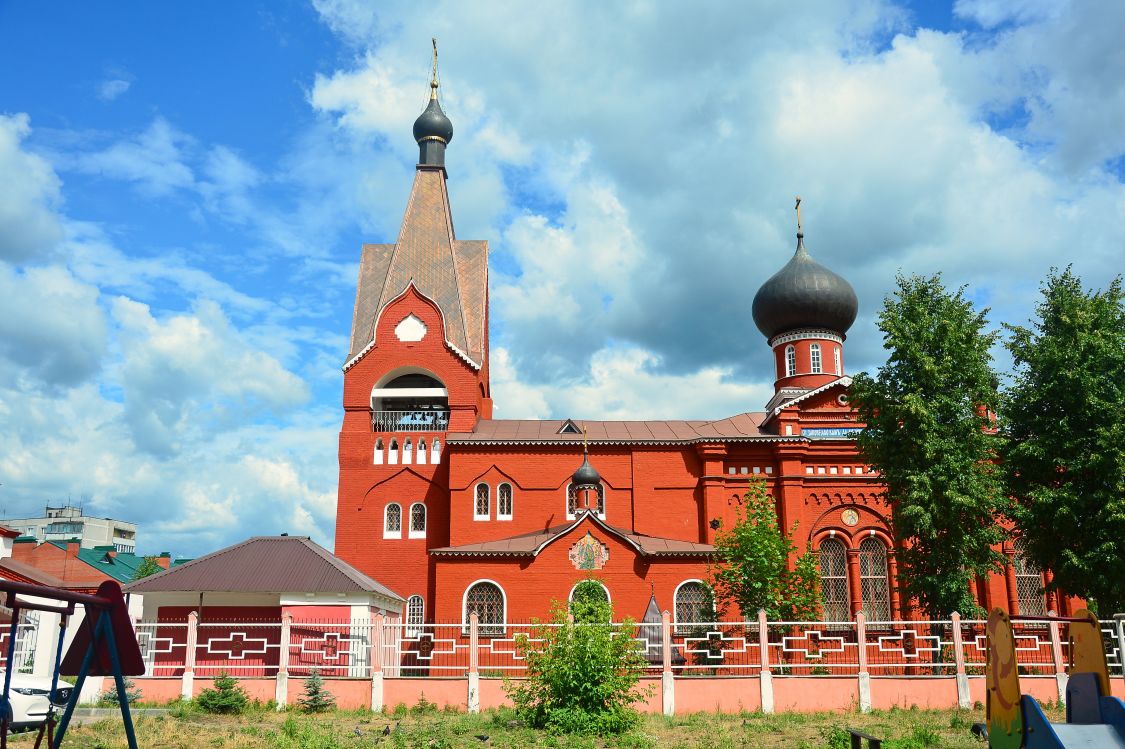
582,673
316,698
109,696
224,697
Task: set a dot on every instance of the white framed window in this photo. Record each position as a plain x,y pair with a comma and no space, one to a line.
379,448
421,457
487,599
417,520
415,615
790,360
599,583
874,581
834,581
1029,583
836,356
435,451
814,356
392,521
482,501
504,502
575,500
392,453
693,604
407,452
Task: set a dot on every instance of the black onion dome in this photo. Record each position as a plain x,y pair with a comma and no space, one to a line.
433,123
586,475
804,294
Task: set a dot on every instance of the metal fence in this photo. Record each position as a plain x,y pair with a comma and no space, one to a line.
355,649
27,633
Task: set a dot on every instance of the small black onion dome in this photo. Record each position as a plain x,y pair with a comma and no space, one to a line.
586,475
804,294
433,123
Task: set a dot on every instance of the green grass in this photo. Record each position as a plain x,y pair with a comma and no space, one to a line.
428,728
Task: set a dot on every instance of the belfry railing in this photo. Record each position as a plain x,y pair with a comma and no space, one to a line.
429,420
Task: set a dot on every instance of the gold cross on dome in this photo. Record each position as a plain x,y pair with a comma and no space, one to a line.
798,207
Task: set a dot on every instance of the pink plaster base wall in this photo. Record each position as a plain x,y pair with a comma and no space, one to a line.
695,694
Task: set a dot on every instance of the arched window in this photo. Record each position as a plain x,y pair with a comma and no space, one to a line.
814,355
836,357
874,586
487,600
417,520
421,458
694,604
407,452
392,521
481,502
415,615
392,454
504,502
834,581
790,361
435,451
592,589
576,501
1029,583
379,448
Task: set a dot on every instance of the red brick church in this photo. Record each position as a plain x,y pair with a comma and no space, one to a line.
457,511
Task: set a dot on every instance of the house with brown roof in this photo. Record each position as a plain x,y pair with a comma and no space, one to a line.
262,579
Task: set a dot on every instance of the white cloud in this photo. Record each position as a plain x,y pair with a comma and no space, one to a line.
153,160
111,88
29,196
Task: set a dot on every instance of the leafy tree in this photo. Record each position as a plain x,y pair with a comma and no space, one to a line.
1065,423
588,593
752,568
316,699
225,696
148,566
929,432
583,675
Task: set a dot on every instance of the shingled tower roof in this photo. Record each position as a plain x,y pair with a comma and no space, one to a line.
450,272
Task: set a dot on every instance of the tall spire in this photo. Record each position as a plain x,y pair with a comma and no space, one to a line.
432,129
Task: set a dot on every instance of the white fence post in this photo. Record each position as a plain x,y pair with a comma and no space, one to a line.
1119,621
765,678
188,681
281,688
863,678
963,697
667,683
474,663
377,635
46,642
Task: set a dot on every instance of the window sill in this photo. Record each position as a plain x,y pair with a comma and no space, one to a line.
417,534
395,536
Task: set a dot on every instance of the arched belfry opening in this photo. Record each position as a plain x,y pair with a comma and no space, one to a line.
411,402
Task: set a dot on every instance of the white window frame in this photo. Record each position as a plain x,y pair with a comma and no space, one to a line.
435,451
836,356
676,623
790,360
503,599
476,510
500,514
415,618
420,454
411,533
392,452
816,362
379,448
407,452
387,532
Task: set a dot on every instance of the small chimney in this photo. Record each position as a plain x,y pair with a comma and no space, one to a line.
72,547
165,559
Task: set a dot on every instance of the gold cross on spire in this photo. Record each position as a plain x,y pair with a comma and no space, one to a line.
433,79
584,437
798,207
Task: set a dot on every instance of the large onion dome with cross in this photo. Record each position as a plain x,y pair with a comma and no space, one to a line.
805,310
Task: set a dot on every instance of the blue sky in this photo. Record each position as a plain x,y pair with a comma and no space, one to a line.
184,189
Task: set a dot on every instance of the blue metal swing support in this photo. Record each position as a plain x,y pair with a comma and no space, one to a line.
99,623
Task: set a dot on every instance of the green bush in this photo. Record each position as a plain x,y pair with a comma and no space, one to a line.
110,699
583,673
316,698
225,696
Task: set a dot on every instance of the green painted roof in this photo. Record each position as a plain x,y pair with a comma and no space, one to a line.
122,566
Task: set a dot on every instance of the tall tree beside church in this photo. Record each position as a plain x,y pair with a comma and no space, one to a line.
1065,423
928,432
